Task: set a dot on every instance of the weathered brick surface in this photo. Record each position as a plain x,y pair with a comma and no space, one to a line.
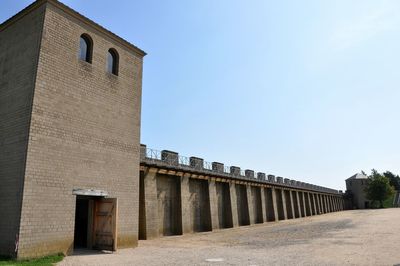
199,200
149,206
19,48
214,206
169,206
84,131
224,205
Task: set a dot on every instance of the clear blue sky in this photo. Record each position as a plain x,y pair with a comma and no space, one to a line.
307,90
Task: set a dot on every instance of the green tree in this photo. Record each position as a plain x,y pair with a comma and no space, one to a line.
393,179
378,188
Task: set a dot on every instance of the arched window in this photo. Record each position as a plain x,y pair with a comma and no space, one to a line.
85,48
112,61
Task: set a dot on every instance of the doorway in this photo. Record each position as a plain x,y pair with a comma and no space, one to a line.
95,223
81,223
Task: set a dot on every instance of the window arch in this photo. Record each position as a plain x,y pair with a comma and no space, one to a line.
85,48
112,61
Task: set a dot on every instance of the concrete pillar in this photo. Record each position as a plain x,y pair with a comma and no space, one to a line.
318,205
150,204
186,206
315,211
264,205
274,204
310,204
327,204
303,196
321,203
334,203
330,203
295,204
212,190
250,203
284,204
337,203
299,204
292,204
232,192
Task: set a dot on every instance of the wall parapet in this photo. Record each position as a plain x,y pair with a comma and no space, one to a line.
172,159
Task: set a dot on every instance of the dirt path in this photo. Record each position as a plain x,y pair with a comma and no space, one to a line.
370,237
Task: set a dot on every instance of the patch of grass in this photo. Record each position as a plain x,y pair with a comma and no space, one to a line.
45,261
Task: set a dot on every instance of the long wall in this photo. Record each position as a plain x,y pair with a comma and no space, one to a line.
181,196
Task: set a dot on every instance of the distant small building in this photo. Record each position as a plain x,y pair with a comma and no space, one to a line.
356,185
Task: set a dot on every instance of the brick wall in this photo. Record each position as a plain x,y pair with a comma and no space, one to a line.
19,47
84,133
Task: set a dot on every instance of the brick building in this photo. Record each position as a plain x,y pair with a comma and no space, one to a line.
356,185
70,102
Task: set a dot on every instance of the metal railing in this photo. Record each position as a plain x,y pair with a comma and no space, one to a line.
173,159
183,160
227,169
208,166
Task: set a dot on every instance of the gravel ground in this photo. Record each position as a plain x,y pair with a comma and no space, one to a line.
362,237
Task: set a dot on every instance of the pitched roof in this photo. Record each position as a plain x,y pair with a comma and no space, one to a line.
358,176
75,14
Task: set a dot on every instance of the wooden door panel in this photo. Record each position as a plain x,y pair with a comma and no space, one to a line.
105,224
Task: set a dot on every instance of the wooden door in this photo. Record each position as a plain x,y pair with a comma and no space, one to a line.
105,224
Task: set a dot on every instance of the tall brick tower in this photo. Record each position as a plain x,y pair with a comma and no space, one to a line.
70,102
